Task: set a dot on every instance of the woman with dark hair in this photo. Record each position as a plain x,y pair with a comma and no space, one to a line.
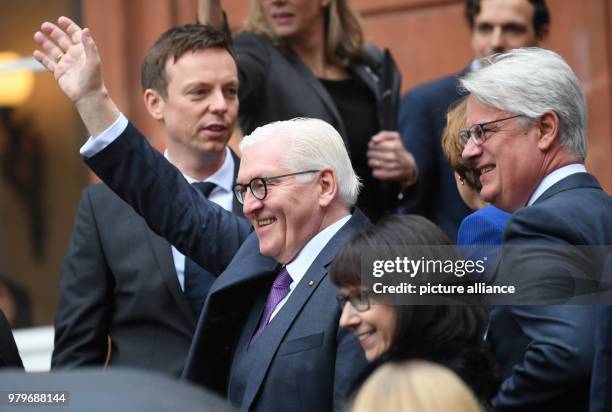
451,335
307,58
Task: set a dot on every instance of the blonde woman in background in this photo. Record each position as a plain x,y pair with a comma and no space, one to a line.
414,386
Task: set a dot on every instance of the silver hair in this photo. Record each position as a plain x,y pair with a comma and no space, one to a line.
314,145
530,81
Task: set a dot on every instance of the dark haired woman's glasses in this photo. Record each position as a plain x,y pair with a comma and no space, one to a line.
359,301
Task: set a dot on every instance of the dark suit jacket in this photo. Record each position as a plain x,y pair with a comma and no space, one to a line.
117,390
279,86
601,378
545,352
9,354
422,120
119,280
306,361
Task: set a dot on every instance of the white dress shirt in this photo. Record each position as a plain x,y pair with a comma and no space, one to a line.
301,263
221,195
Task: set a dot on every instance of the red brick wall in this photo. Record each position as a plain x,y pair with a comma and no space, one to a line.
429,38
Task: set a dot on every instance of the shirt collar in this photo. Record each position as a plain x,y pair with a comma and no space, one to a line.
554,177
223,176
297,267
475,65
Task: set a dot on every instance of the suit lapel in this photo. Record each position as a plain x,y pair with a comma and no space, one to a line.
284,319
163,257
320,90
369,78
572,181
248,265
277,329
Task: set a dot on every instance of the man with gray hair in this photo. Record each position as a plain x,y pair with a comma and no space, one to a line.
268,336
496,26
527,121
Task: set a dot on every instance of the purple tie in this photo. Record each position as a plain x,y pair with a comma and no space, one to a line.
280,289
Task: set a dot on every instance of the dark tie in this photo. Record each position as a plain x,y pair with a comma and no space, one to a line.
280,289
204,187
198,280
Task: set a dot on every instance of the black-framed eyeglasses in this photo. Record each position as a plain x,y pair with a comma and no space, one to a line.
477,133
259,185
360,301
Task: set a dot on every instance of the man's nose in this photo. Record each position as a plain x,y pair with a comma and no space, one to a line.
251,203
218,103
470,150
350,317
498,41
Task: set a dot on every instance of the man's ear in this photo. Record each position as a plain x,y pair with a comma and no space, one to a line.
154,104
548,124
328,186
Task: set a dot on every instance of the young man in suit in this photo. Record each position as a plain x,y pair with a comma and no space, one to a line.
122,280
268,337
496,26
527,123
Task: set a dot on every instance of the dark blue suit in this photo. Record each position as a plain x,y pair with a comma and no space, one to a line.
545,352
422,120
302,360
119,280
601,378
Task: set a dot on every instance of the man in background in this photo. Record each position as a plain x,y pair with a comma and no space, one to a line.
527,135
496,26
120,279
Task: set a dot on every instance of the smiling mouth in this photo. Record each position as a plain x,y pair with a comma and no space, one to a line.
364,336
486,169
265,222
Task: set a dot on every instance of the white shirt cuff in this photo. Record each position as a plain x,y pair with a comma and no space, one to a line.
95,145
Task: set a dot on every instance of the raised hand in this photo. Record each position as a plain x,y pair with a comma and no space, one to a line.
70,53
210,12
